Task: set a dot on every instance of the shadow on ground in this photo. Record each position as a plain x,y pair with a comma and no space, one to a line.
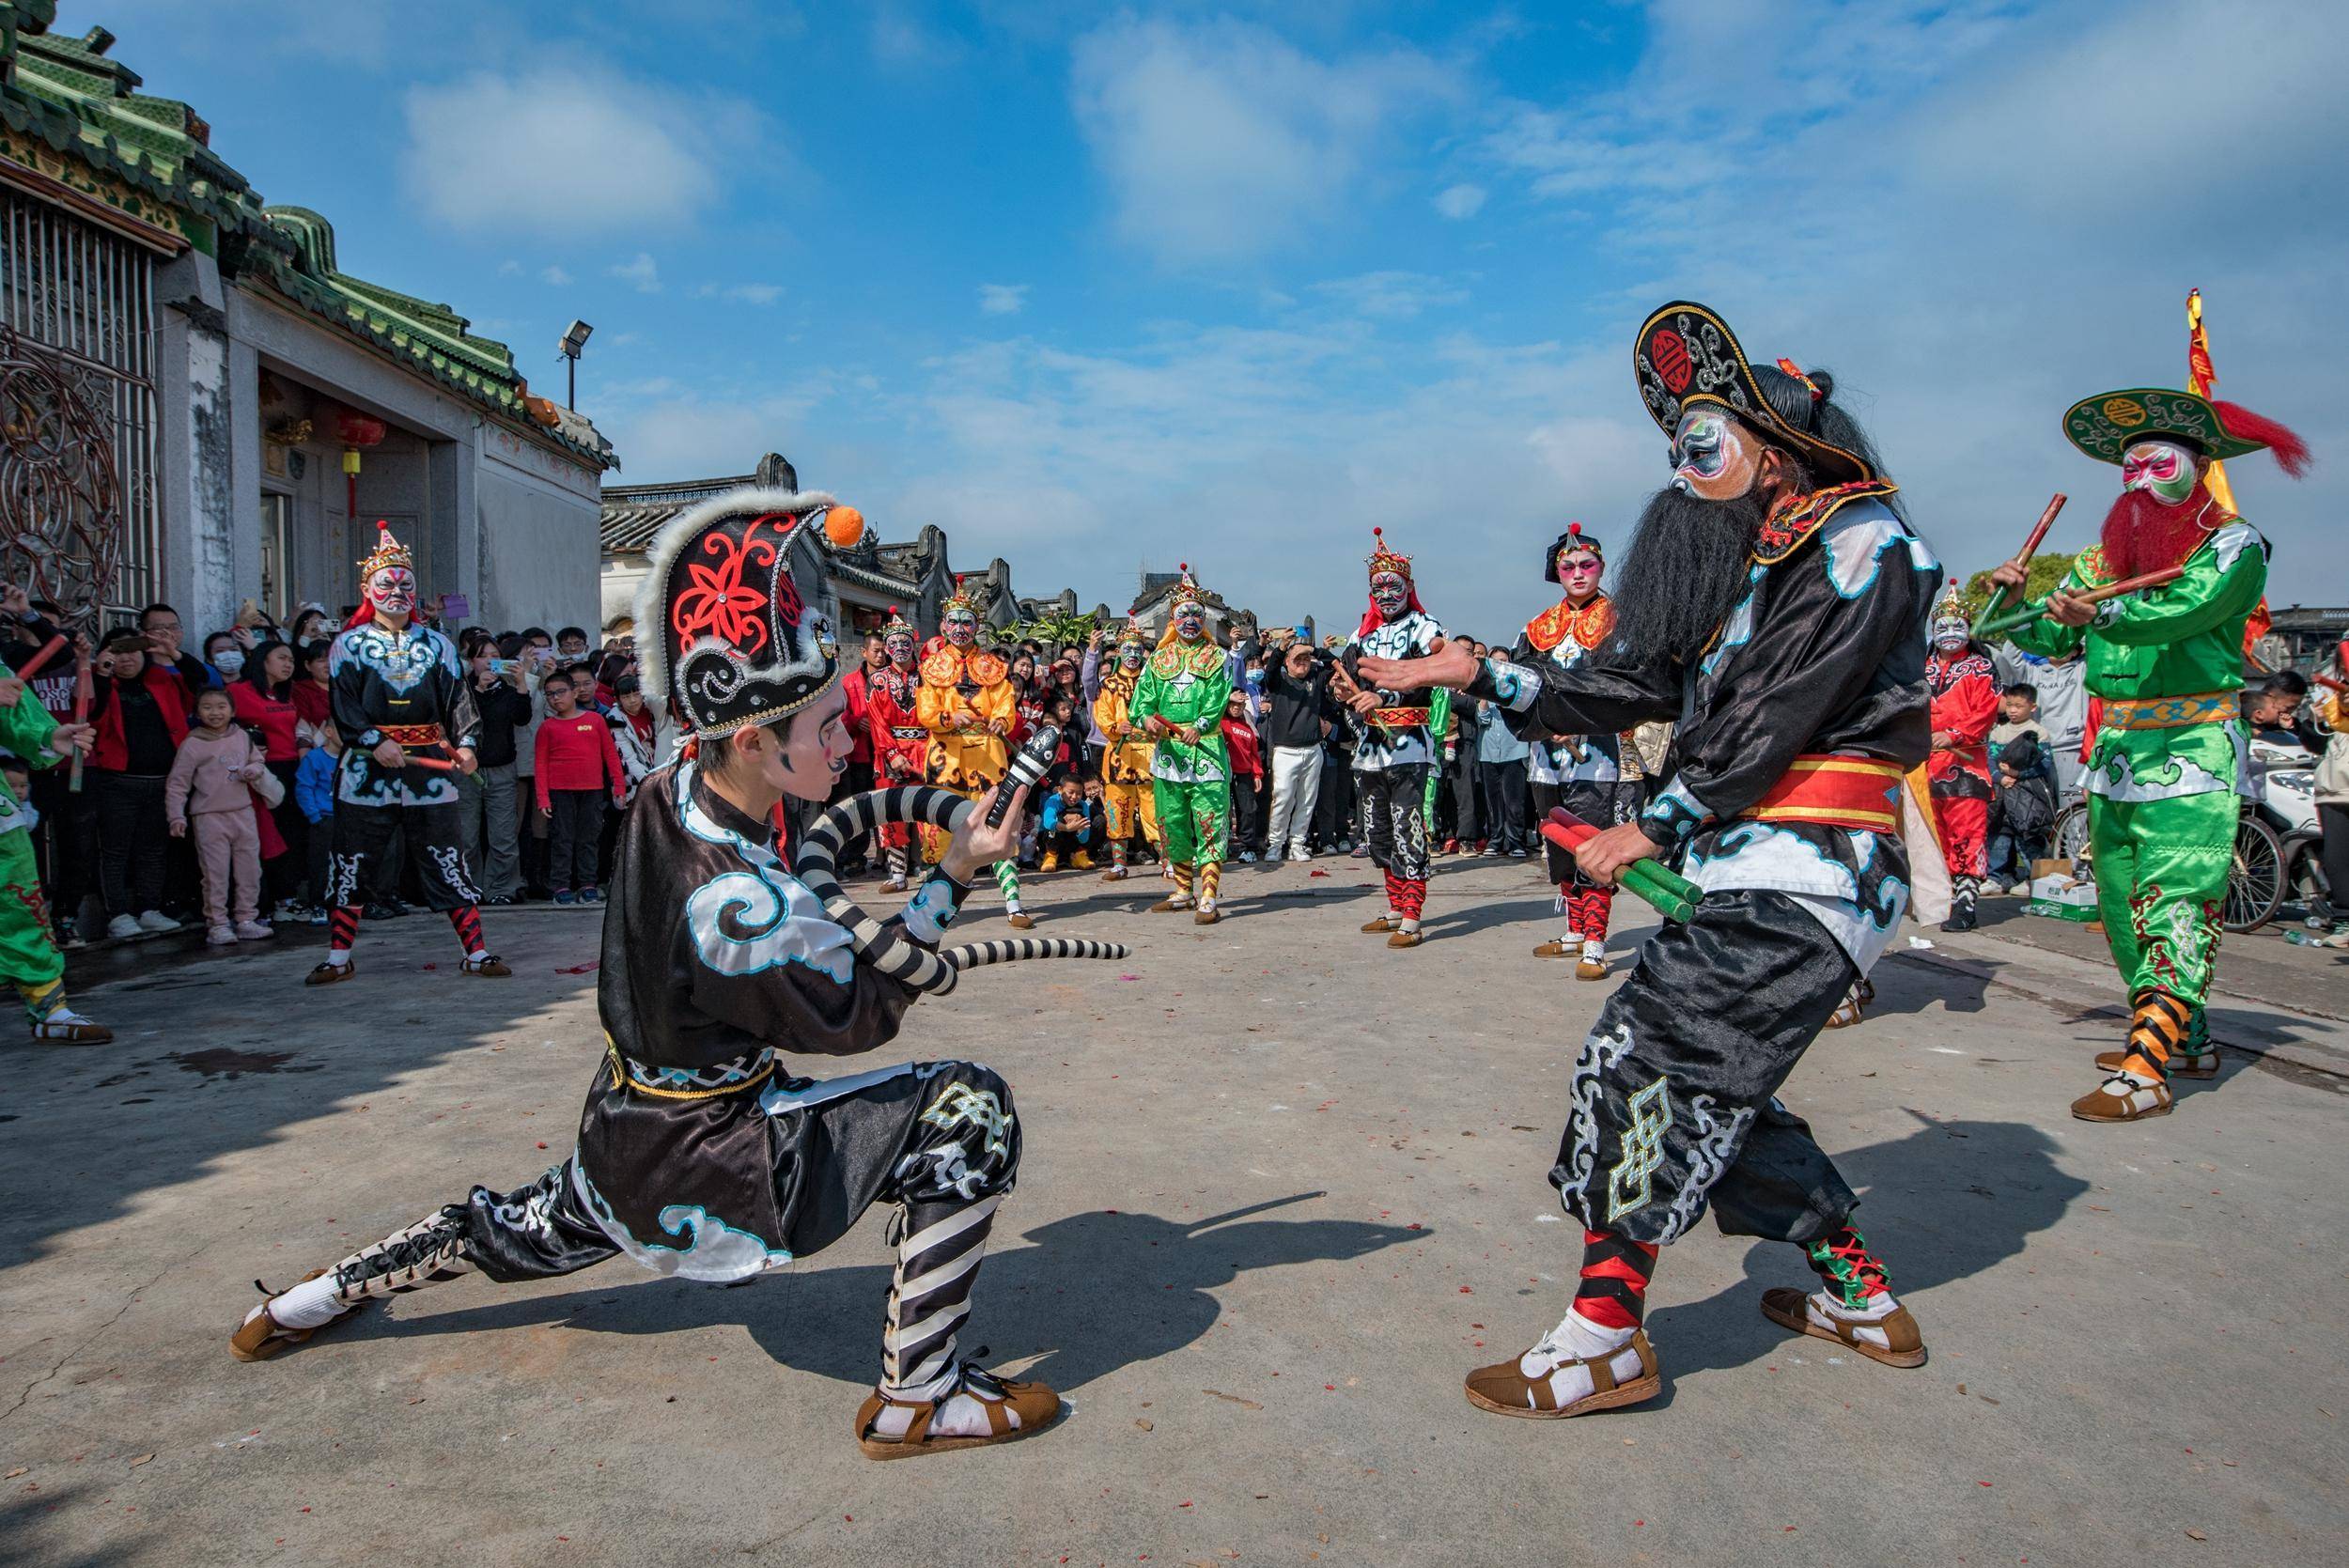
1091,1294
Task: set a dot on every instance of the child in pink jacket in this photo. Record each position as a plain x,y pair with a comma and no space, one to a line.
212,783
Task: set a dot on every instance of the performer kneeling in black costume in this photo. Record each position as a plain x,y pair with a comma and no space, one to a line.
699,1156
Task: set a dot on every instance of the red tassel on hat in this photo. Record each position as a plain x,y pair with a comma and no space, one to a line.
2290,451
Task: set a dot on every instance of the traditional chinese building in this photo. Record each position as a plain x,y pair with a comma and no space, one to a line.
208,409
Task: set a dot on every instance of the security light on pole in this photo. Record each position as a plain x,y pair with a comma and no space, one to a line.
574,339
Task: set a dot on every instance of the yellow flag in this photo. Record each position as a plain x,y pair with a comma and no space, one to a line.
2200,379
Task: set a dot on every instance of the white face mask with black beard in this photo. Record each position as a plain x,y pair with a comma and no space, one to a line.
1392,597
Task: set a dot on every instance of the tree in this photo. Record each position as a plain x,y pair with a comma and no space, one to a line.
2047,570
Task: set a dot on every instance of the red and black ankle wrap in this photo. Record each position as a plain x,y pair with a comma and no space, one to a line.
342,927
466,918
1615,1271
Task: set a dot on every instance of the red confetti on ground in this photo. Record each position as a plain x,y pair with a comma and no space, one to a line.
588,967
1413,1227
1638,1524
542,1145
1982,1484
430,967
1317,874
1465,1291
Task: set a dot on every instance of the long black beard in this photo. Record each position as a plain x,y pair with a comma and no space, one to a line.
1684,572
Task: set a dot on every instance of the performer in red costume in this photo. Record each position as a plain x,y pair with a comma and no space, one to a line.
901,742
1965,693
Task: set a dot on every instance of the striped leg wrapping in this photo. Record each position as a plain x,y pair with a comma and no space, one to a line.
929,1297
884,947
429,1253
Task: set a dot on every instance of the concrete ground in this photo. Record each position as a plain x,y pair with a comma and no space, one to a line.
1282,1187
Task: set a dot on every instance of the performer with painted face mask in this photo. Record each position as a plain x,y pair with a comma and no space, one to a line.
1774,603
967,704
1179,703
900,741
2170,749
399,697
1128,794
1583,773
1396,756
700,1156
1965,691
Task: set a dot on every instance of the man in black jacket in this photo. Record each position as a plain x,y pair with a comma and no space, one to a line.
492,823
1296,713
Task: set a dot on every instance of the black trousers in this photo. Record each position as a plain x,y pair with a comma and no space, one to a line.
133,838
69,839
1394,813
1673,1104
1467,820
1601,803
1247,812
1333,807
2334,820
434,835
284,875
574,833
1507,811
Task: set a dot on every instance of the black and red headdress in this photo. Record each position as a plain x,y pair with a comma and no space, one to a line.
1575,537
1685,354
735,643
1387,562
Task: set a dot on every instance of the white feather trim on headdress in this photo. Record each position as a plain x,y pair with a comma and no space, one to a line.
652,594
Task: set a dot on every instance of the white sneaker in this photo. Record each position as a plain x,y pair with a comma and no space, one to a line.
155,919
1248,857
254,931
221,936
123,927
1298,852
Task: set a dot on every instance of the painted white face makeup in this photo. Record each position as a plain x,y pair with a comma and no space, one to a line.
1189,624
392,588
900,650
961,631
1391,594
1712,457
1130,654
2162,469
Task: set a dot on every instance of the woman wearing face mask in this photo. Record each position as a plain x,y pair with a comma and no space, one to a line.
225,651
262,694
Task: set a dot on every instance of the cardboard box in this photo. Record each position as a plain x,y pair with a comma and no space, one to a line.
2065,890
2076,913
2050,868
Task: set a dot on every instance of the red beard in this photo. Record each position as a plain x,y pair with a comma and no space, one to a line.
2141,534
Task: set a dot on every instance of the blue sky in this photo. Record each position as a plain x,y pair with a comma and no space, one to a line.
1232,283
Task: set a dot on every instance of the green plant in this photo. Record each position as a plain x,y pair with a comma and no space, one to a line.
1067,631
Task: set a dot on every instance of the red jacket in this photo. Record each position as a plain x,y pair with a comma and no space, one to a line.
1247,756
577,752
275,717
858,688
111,751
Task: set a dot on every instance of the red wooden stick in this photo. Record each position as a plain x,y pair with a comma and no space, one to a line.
2030,548
82,692
31,667
2131,585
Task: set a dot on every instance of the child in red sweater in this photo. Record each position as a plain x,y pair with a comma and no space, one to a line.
1239,739
578,769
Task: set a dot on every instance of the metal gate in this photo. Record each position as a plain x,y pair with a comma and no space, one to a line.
79,517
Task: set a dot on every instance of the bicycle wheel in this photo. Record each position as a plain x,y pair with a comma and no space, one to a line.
2068,839
2255,888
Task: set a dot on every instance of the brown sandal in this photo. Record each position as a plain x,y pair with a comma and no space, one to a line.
1906,1346
1383,924
261,1336
1505,1390
2183,1064
1035,1406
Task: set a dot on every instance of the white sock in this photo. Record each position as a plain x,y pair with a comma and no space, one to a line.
1594,950
1408,924
962,1415
1576,1340
338,956
312,1304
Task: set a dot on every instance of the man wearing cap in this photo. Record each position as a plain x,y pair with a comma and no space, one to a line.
2170,750
1773,604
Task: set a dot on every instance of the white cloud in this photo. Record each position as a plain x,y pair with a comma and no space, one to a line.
1456,202
509,268
642,275
740,293
556,276
1221,141
572,150
1003,299
1391,295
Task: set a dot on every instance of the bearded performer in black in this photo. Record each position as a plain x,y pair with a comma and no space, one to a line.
1773,604
700,1156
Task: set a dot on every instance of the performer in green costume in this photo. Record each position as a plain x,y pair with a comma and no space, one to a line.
29,959
1179,701
2170,750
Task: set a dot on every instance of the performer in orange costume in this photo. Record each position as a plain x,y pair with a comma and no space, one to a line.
966,703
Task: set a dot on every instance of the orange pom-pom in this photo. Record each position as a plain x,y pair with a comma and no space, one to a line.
844,526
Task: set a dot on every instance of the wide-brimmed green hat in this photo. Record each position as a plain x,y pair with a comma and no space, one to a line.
2108,423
